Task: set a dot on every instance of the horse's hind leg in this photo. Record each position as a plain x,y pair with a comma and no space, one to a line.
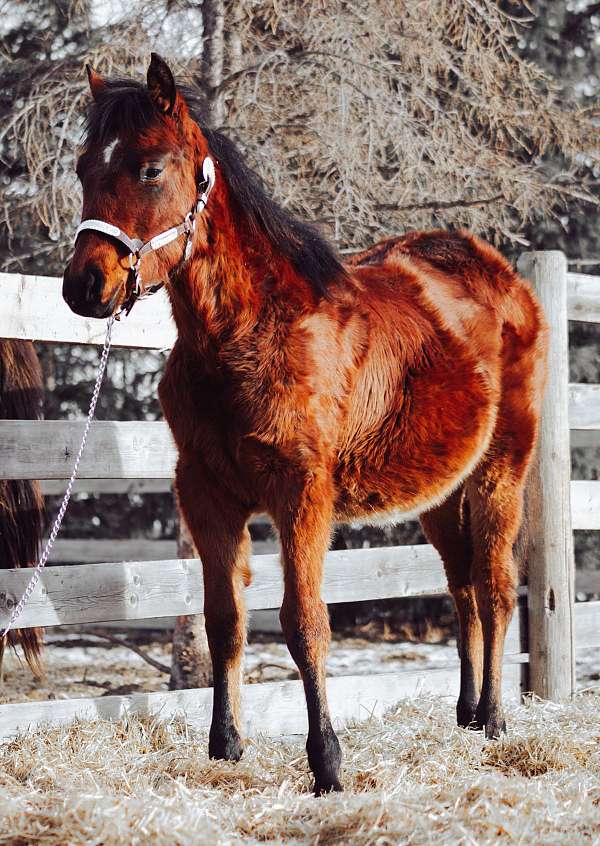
495,492
218,526
447,527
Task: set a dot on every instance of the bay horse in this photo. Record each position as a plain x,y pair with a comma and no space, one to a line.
407,381
21,503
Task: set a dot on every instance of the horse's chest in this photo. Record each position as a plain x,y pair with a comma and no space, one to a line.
219,433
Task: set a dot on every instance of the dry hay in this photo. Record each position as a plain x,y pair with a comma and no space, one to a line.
411,778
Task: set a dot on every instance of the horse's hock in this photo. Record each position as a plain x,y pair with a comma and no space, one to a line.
541,645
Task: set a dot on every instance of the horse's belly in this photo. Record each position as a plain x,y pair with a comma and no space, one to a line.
443,427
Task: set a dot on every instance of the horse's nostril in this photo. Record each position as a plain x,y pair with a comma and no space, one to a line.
84,291
89,287
94,283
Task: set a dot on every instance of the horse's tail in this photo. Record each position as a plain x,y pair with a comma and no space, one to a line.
522,544
21,503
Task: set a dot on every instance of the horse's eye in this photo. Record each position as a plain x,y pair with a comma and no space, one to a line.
150,173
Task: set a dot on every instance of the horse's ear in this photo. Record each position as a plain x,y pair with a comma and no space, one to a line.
97,84
161,84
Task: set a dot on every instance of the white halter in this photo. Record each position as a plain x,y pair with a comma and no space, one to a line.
138,249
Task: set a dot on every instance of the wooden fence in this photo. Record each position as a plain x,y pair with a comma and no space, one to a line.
120,455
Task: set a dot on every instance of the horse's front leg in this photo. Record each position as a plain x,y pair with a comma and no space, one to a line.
217,524
304,524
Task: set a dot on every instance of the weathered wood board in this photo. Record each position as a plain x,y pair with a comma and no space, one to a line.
45,449
34,449
93,593
272,708
584,407
583,297
32,308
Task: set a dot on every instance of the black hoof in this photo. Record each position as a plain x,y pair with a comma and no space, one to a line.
325,759
492,720
495,727
225,746
465,715
327,785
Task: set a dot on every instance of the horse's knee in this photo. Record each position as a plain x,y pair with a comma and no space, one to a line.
225,630
306,628
496,588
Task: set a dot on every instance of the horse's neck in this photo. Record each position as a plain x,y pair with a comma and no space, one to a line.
218,306
211,296
225,297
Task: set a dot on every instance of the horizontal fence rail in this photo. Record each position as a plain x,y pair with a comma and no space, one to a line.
35,449
140,590
32,308
91,593
45,449
270,708
583,297
584,407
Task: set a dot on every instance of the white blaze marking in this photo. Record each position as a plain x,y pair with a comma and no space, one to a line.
109,150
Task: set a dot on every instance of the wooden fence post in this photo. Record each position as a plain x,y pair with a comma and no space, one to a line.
551,577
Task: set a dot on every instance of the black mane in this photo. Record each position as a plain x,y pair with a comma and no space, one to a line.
126,107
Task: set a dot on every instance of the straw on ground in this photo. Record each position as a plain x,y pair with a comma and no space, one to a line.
413,777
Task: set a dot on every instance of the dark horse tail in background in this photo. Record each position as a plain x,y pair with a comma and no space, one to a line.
406,382
21,504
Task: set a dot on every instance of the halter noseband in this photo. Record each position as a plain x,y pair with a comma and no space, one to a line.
138,249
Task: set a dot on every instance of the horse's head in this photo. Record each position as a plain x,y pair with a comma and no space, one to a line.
141,170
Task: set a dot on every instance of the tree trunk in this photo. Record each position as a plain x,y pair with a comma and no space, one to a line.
234,40
213,58
191,664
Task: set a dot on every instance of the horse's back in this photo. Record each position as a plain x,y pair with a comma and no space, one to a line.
455,253
469,286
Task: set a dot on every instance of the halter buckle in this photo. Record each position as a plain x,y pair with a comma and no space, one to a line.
190,226
135,261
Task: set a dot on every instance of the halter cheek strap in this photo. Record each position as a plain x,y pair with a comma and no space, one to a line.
138,249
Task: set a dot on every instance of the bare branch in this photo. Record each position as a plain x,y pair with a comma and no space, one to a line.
354,117
436,205
101,633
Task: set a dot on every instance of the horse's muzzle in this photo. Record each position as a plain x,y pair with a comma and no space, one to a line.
83,292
